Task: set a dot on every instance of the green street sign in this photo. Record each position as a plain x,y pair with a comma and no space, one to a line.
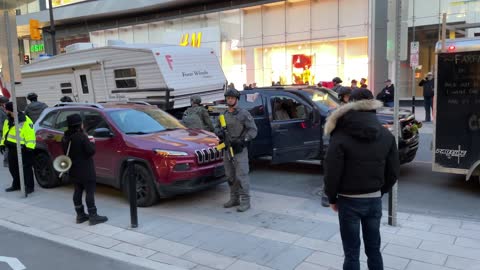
37,48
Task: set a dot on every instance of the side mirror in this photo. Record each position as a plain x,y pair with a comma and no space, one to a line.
102,133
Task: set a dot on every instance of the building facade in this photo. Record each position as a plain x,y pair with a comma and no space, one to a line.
261,42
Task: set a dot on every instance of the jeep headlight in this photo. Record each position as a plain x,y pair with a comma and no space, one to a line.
166,153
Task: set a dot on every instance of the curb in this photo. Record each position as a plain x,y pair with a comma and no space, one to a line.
142,262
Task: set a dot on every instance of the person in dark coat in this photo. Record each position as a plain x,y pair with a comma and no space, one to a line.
82,173
387,94
361,165
428,93
35,108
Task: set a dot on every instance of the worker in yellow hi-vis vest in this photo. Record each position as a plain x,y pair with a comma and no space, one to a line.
27,141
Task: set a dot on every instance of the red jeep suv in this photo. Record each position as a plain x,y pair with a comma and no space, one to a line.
169,158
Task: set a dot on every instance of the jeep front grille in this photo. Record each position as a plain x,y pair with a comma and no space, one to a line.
208,155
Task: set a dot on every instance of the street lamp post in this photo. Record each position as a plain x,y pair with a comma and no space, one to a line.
52,28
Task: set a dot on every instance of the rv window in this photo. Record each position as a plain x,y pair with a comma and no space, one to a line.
125,78
83,81
66,88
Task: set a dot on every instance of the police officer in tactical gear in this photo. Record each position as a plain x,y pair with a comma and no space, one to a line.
197,116
27,141
242,129
35,108
344,94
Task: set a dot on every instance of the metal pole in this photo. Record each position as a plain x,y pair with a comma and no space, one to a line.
444,31
413,67
393,194
132,193
52,29
14,100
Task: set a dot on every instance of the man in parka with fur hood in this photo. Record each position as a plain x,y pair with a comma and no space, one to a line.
360,166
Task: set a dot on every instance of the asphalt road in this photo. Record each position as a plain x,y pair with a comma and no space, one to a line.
39,254
420,190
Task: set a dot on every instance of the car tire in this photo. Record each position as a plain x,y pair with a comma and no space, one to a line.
146,191
44,171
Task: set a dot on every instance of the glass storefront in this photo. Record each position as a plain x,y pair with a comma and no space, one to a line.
283,42
426,15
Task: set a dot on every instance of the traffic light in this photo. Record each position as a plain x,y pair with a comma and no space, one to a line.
35,30
26,59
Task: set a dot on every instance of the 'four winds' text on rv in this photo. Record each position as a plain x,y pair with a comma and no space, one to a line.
195,73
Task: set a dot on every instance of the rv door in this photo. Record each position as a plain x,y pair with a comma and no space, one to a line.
84,90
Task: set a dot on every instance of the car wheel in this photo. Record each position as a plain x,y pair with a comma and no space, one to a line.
146,192
44,172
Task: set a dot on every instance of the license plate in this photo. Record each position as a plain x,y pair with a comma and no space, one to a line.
219,171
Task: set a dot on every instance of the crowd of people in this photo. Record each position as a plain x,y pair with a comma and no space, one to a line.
361,163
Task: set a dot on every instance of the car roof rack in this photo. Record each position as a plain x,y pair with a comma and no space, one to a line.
127,102
93,105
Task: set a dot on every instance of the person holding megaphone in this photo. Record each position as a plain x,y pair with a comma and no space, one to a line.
80,149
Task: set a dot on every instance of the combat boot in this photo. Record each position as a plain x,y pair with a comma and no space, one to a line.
234,201
81,215
244,204
94,218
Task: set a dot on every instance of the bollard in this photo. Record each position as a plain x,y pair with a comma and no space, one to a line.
132,193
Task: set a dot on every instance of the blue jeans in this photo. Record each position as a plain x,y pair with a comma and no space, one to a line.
351,213
427,103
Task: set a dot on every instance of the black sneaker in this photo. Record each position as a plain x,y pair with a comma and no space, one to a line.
325,202
10,189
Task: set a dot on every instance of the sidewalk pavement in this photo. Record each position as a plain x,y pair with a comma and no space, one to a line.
195,232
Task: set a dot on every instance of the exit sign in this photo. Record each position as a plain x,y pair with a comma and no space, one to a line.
37,48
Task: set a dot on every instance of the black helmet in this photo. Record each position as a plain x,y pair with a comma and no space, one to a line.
196,99
66,99
232,93
32,96
337,80
344,91
3,100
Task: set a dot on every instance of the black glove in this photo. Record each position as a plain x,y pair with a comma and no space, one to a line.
2,149
219,134
238,146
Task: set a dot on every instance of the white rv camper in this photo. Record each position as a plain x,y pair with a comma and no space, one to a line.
162,75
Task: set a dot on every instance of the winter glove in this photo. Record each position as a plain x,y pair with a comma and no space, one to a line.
220,136
2,149
238,146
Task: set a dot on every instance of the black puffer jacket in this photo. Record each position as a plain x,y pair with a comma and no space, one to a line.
362,155
81,153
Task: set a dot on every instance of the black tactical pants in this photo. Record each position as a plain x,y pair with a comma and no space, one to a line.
27,159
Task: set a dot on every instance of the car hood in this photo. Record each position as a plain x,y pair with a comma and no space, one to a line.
186,140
